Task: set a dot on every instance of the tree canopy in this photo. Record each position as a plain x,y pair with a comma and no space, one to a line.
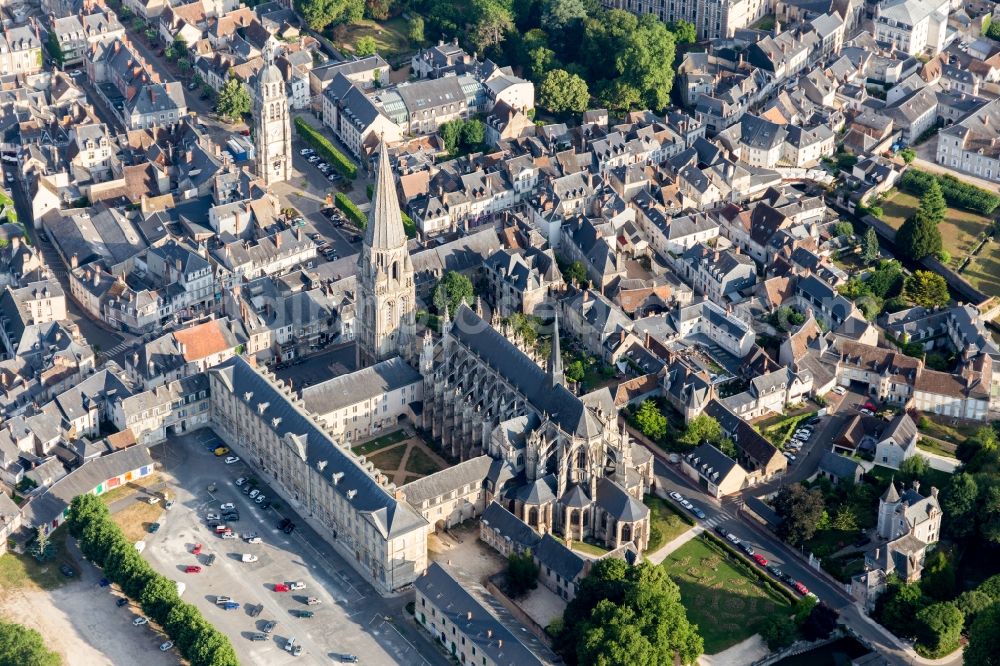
983,648
939,628
522,573
651,421
21,646
702,428
452,290
234,100
919,236
561,92
628,615
927,289
800,509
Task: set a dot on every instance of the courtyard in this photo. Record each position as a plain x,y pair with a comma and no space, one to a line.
960,231
402,456
721,594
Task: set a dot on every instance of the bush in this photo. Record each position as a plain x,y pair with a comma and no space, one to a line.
344,166
352,212
956,193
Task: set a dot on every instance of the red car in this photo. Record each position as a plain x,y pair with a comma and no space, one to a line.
801,589
280,587
760,559
192,569
196,550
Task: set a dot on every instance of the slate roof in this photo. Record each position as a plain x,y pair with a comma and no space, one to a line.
387,515
460,609
839,466
385,223
355,387
552,553
456,477
618,503
524,374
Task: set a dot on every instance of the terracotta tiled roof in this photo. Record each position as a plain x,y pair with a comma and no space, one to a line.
202,340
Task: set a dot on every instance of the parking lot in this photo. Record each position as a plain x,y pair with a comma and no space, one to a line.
350,618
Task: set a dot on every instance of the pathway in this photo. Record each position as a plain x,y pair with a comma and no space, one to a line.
674,544
401,475
940,462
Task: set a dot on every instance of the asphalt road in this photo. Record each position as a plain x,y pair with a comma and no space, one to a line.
353,618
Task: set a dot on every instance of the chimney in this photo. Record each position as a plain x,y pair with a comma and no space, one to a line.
500,643
468,616
489,633
277,241
934,492
916,486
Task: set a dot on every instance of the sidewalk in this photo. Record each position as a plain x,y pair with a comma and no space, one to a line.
939,462
671,546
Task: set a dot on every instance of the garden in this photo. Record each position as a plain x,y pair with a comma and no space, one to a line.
666,522
726,597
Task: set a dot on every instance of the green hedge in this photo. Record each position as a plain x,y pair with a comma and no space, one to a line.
956,193
103,543
344,166
353,213
741,562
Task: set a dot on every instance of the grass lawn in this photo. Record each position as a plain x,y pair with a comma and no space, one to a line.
827,542
936,446
960,229
948,429
130,488
379,443
845,567
390,36
779,429
421,463
389,459
135,519
933,477
666,522
585,547
983,272
721,594
18,572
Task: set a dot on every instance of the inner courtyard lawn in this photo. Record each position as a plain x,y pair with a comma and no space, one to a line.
721,596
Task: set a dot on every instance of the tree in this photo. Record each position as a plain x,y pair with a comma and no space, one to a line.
958,501
97,539
991,587
415,29
365,46
843,228
908,155
557,13
378,10
800,510
42,548
522,573
613,637
913,468
540,60
869,246
321,13
919,236
575,371
493,21
452,290
684,32
898,607
576,273
927,289
82,510
938,579
984,639
234,100
177,49
21,646
779,632
939,628
972,603
620,96
158,598
702,428
845,519
647,62
619,606
561,92
473,133
652,423
989,515
451,134
55,48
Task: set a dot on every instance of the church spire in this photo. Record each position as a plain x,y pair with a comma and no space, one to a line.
555,361
385,223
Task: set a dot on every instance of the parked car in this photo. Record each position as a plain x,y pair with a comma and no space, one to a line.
228,506
166,646
721,531
800,588
221,599
230,605
747,548
775,571
269,626
295,585
250,537
222,529
284,523
254,493
192,569
839,390
344,658
210,561
867,412
303,613
240,481
699,514
152,499
154,528
139,621
733,539
66,570
289,528
197,549
168,505
248,557
259,636
760,559
260,498
221,451
281,587
232,459
313,601
230,535
306,151
121,602
231,517
212,516
676,496
255,610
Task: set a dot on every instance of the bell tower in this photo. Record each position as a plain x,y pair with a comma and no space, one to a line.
273,132
386,293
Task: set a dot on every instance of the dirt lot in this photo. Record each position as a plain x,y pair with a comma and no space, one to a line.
81,622
136,518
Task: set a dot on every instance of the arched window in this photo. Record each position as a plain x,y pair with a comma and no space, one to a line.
395,270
